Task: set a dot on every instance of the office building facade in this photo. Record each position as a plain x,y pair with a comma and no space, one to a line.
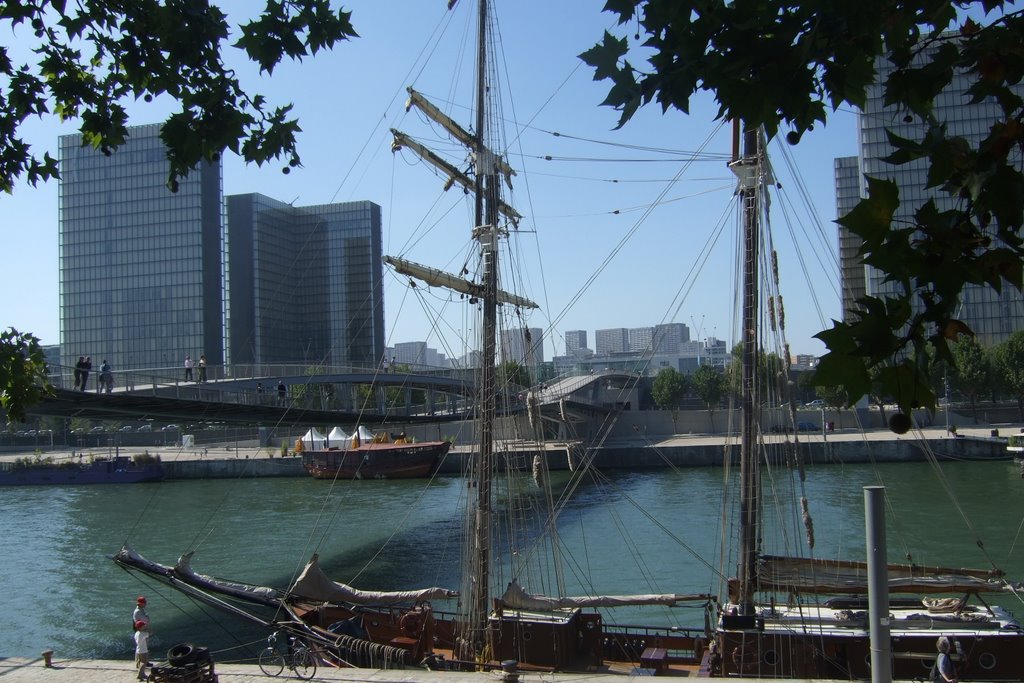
140,266
304,284
575,340
613,340
992,315
523,345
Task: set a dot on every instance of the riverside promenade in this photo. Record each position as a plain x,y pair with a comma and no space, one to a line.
107,671
211,461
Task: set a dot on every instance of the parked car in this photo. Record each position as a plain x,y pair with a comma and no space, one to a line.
816,403
145,428
98,430
170,428
126,429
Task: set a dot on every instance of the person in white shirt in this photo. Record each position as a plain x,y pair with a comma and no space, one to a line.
141,647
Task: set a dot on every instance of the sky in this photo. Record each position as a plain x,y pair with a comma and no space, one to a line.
622,228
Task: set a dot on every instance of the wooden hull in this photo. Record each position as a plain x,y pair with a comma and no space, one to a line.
376,461
568,641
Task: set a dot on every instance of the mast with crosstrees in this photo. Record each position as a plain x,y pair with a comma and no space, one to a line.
489,211
747,169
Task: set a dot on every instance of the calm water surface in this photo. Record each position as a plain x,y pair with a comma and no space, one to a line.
640,532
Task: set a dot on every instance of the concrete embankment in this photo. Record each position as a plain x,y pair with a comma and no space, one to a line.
680,451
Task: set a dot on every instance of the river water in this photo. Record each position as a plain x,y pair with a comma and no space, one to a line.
634,532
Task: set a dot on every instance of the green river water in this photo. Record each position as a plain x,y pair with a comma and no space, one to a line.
633,533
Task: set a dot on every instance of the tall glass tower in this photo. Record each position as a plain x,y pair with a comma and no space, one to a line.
304,283
140,266
992,315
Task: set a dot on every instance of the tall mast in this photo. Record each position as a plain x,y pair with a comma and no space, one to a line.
487,234
747,169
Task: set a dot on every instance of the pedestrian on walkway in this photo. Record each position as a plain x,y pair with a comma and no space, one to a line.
281,391
141,647
188,368
79,366
106,379
86,369
202,368
139,614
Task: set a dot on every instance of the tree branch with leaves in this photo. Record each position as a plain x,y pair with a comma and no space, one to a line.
91,57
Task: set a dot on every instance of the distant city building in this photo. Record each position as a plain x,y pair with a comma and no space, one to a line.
304,283
641,340
413,354
804,361
853,271
524,345
669,338
992,315
615,340
574,341
140,266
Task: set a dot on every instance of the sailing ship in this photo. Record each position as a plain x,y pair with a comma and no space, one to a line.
365,455
771,623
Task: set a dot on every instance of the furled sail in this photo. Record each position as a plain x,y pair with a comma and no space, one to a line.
313,584
850,577
243,590
182,572
517,598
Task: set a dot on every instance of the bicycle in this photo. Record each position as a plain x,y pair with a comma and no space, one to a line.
298,658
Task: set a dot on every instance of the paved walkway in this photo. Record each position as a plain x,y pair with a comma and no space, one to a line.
106,671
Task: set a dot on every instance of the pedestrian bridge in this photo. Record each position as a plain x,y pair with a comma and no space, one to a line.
323,395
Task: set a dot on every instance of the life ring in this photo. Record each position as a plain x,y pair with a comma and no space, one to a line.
410,623
181,654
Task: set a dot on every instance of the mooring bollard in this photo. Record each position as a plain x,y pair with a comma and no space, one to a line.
48,659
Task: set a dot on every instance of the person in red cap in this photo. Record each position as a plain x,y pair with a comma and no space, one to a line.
140,611
141,647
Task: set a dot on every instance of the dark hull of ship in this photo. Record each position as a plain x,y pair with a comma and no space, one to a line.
810,654
117,471
376,461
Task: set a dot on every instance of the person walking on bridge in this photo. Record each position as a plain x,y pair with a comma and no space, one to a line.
188,368
281,391
202,368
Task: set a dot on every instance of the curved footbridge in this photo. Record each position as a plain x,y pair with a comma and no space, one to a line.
331,396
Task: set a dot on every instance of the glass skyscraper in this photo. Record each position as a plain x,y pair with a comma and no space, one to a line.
304,283
140,266
992,315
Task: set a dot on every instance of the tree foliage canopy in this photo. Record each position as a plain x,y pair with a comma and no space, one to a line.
22,373
787,63
91,57
709,385
669,388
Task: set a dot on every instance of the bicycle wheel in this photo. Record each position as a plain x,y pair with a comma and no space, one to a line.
304,663
271,662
